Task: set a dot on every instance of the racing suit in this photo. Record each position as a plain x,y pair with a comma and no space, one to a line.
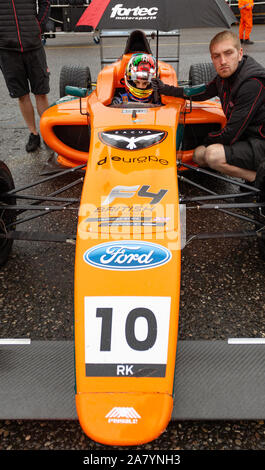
246,19
122,97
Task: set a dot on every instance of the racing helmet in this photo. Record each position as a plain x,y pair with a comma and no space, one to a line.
140,66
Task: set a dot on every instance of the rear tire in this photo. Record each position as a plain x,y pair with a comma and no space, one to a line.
201,73
74,75
6,216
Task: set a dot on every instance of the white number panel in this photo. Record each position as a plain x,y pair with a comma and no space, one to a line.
126,336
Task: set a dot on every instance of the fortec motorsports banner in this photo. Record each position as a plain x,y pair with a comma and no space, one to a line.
162,15
119,12
112,15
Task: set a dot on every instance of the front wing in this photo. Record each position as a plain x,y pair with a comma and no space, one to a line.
214,380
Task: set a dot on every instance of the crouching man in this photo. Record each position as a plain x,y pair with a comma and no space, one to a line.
238,149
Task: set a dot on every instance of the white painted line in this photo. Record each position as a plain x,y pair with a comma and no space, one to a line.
246,341
15,341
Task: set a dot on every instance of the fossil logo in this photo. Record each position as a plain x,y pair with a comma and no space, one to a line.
132,139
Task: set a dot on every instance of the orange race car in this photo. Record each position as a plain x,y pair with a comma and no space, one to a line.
129,239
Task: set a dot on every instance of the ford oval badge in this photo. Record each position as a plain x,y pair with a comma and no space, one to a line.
127,255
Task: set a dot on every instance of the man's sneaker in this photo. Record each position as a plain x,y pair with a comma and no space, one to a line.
242,41
33,143
248,41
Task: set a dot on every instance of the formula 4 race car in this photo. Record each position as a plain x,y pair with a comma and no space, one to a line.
134,159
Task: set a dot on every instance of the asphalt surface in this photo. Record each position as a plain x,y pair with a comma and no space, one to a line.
222,290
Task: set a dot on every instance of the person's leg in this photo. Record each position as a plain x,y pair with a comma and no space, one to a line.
41,103
199,156
249,24
28,113
15,74
241,27
216,159
38,76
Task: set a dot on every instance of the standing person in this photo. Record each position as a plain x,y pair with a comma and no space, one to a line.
23,59
246,20
238,149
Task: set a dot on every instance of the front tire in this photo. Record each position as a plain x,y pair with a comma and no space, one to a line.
74,75
7,217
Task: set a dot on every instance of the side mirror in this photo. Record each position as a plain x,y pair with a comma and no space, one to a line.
79,93
189,91
76,91
194,90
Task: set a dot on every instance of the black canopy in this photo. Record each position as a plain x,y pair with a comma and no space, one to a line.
160,15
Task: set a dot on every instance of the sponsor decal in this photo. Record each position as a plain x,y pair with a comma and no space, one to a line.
127,255
132,139
132,110
131,329
129,191
123,415
119,12
141,159
129,221
124,210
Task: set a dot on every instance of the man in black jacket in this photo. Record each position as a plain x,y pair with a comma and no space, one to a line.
239,148
23,59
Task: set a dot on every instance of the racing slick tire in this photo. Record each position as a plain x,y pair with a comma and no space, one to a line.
201,73
6,216
74,75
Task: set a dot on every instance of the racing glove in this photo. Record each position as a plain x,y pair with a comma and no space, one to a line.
167,90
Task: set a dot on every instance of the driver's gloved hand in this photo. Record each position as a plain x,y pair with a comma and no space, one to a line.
164,89
157,85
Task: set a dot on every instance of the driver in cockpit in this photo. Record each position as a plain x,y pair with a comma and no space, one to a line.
140,70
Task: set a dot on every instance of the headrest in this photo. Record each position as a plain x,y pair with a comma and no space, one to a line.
137,42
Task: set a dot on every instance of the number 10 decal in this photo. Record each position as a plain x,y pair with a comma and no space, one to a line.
132,341
126,336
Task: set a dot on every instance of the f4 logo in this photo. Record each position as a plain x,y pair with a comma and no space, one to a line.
130,191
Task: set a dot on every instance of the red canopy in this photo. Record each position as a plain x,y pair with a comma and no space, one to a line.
93,13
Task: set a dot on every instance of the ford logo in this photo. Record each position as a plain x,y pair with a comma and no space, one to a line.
127,255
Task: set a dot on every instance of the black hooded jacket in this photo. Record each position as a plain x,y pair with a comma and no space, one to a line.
21,24
242,97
